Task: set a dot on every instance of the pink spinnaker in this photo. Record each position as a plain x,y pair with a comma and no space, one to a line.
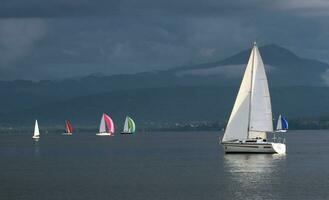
109,123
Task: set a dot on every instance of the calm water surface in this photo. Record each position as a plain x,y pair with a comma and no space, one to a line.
160,165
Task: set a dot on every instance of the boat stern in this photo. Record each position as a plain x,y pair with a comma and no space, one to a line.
279,148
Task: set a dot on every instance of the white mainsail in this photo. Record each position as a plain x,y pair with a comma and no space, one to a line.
36,130
102,126
126,126
279,124
252,114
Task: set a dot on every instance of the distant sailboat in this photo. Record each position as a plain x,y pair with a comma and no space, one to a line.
36,134
282,125
129,126
106,127
251,117
68,128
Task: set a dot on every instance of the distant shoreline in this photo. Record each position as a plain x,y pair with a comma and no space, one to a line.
315,125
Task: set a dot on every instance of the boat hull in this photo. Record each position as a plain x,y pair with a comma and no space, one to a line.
68,134
254,147
104,134
36,138
281,131
126,133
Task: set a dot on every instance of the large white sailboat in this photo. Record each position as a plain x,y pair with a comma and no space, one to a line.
251,117
36,134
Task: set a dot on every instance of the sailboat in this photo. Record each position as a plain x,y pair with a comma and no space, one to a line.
282,125
68,128
106,127
129,126
36,134
251,117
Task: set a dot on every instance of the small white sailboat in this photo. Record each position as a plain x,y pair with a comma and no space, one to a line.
282,125
68,128
106,127
36,134
129,126
251,117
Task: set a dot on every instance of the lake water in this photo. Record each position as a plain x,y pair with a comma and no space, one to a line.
160,165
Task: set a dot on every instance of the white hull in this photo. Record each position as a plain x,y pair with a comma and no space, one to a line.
281,131
254,147
36,137
67,134
104,134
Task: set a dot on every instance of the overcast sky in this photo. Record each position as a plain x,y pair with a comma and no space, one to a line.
56,39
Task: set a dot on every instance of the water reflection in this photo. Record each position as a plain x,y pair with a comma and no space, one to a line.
261,163
36,148
254,176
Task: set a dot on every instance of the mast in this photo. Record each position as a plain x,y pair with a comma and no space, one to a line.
251,84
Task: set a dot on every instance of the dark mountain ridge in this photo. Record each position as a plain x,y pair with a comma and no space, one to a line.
180,94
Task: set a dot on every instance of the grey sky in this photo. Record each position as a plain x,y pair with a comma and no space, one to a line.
48,39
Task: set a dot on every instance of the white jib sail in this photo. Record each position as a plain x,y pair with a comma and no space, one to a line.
237,127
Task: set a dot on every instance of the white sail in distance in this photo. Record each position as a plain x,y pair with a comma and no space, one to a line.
36,130
126,125
279,124
102,126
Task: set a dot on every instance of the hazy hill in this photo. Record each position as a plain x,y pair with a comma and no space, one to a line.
170,105
284,68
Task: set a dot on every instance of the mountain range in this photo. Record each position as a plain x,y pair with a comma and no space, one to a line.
194,93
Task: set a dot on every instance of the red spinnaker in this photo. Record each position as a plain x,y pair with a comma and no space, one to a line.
69,128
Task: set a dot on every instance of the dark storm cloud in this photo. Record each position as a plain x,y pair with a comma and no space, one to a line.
42,39
74,8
